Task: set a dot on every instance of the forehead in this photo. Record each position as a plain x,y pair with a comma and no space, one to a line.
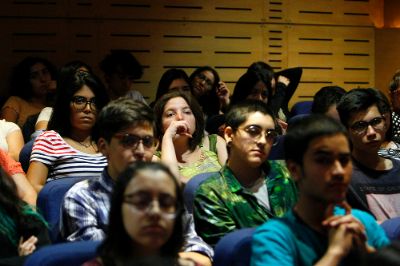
364,115
85,91
260,119
140,129
153,181
37,67
208,74
331,144
177,102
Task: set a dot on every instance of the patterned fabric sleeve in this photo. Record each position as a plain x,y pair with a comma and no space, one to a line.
44,148
79,219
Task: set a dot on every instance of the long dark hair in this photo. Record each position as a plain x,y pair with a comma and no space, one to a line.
167,78
117,245
209,102
16,216
194,106
60,119
20,78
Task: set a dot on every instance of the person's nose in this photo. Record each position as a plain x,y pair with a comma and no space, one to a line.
154,208
179,116
371,132
338,170
139,151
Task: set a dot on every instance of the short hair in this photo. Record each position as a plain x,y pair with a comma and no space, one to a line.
123,113
60,118
245,85
304,130
117,242
198,135
325,98
121,60
20,77
167,78
358,99
238,113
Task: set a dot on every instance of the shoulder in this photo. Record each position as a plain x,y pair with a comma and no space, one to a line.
8,127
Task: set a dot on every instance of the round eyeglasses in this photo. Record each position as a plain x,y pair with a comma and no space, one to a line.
255,131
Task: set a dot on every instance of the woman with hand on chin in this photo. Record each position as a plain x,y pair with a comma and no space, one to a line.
67,149
184,146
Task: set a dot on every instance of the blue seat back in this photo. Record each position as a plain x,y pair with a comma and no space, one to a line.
277,150
392,228
299,108
64,254
234,249
25,155
49,202
191,187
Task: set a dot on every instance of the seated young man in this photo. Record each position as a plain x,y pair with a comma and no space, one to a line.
375,184
321,229
125,134
248,190
326,100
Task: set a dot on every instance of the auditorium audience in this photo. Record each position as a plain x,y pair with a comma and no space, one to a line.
184,146
67,149
326,100
248,190
32,83
126,133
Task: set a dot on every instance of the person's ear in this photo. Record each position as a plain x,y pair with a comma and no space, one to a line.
102,146
295,170
228,135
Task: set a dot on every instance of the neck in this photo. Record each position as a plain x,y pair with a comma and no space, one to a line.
312,212
38,99
372,160
181,145
245,175
82,136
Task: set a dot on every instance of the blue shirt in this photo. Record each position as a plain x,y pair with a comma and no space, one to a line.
289,241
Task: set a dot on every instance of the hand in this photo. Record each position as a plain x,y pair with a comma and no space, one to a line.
223,93
27,247
180,127
283,125
284,80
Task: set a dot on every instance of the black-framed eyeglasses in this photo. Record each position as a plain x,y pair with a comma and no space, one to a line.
360,127
80,103
203,77
255,131
130,141
144,202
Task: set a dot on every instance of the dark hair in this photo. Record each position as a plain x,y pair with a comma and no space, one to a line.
122,113
395,82
304,130
358,99
121,61
194,106
116,246
16,217
20,77
266,71
245,85
167,78
209,102
238,113
60,118
325,98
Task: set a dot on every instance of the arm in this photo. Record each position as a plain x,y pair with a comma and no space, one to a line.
37,175
223,94
168,152
212,219
15,142
79,217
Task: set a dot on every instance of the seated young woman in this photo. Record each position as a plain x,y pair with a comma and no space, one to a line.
145,222
22,229
184,146
67,148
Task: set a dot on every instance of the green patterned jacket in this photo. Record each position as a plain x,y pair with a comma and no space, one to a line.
222,205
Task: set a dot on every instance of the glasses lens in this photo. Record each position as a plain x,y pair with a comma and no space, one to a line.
80,102
132,141
272,135
376,122
360,126
253,131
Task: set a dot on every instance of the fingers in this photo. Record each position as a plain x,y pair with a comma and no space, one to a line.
27,247
179,128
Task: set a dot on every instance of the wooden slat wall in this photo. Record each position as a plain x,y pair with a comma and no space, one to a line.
332,39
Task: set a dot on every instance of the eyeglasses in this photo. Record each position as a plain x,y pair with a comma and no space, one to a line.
203,77
130,141
360,127
143,202
256,132
80,103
